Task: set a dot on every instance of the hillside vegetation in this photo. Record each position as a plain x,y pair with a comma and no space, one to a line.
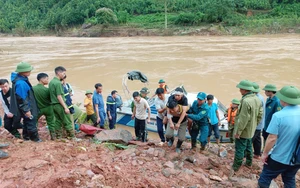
258,16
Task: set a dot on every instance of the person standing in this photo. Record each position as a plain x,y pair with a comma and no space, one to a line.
177,119
284,131
111,108
160,105
61,111
272,106
140,115
88,104
256,140
231,113
23,103
42,96
8,116
198,120
99,105
214,119
249,114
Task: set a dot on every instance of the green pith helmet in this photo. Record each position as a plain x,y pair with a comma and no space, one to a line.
256,87
24,67
236,101
161,81
246,85
145,90
88,92
270,87
289,94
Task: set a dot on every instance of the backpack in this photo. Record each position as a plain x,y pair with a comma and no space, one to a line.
296,154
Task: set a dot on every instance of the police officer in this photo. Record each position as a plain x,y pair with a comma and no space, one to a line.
198,120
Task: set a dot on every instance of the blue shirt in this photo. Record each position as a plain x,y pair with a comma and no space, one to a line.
272,106
98,99
261,124
285,124
199,113
212,114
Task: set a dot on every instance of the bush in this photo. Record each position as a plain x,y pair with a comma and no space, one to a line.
123,17
234,19
217,10
93,20
106,16
188,18
257,4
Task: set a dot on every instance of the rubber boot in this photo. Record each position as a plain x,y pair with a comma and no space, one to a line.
178,146
3,155
170,142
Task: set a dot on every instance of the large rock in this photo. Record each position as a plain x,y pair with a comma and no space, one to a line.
119,136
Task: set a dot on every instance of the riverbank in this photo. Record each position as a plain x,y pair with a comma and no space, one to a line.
131,31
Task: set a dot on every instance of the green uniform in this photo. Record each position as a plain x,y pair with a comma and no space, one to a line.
248,116
62,119
42,96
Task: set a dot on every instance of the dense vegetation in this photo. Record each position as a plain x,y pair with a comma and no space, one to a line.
37,15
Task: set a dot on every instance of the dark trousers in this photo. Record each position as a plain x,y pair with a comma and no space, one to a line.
265,135
256,141
30,129
112,121
93,118
273,169
160,129
10,127
140,128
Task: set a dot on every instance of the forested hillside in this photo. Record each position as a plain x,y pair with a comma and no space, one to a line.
36,15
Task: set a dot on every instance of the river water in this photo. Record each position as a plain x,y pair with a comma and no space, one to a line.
211,64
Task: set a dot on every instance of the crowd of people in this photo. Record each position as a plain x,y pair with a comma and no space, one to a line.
276,119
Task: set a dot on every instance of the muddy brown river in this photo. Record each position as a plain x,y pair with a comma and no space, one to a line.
210,64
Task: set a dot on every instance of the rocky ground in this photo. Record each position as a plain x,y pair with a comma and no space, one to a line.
91,164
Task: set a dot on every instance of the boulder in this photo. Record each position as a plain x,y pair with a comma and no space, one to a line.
119,136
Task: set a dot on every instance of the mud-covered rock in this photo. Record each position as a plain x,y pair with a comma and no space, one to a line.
115,136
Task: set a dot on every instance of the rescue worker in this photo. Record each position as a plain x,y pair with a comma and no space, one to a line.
88,104
111,109
249,115
160,105
231,115
42,96
61,111
23,103
256,140
98,105
177,120
198,121
8,116
162,84
284,132
214,119
139,115
272,106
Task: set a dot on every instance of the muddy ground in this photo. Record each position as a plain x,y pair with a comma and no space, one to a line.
64,164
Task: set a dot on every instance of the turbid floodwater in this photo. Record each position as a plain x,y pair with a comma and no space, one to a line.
211,64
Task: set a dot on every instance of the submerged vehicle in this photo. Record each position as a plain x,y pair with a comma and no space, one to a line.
125,112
